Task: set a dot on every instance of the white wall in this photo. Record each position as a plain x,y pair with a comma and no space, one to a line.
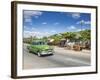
5,43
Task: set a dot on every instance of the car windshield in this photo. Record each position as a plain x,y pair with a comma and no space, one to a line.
38,43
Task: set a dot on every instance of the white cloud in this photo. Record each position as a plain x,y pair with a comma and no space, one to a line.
27,34
27,28
44,23
56,23
29,14
36,17
83,22
87,22
32,13
31,33
33,29
35,33
80,29
28,20
72,27
53,31
76,15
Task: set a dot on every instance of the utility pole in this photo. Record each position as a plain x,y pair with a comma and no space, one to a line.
31,39
82,22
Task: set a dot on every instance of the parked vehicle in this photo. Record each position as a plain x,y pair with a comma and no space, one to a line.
40,48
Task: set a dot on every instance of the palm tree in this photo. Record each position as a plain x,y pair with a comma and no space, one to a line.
69,35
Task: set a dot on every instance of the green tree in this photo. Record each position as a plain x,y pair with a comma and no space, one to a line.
45,38
69,35
85,35
57,38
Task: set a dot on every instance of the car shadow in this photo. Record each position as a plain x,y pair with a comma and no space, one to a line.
42,55
47,55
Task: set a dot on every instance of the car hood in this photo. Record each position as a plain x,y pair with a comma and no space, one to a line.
42,47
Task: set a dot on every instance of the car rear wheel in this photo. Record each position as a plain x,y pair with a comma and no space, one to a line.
39,54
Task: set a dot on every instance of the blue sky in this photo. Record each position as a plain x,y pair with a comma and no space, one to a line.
46,23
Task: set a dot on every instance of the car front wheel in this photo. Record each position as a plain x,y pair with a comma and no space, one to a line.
39,54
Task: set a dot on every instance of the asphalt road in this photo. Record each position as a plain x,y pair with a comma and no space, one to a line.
61,58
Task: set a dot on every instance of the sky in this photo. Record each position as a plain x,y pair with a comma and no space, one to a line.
46,23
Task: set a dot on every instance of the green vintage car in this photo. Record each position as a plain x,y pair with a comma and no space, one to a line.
40,48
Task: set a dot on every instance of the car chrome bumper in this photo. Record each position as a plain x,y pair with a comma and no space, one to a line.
46,53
